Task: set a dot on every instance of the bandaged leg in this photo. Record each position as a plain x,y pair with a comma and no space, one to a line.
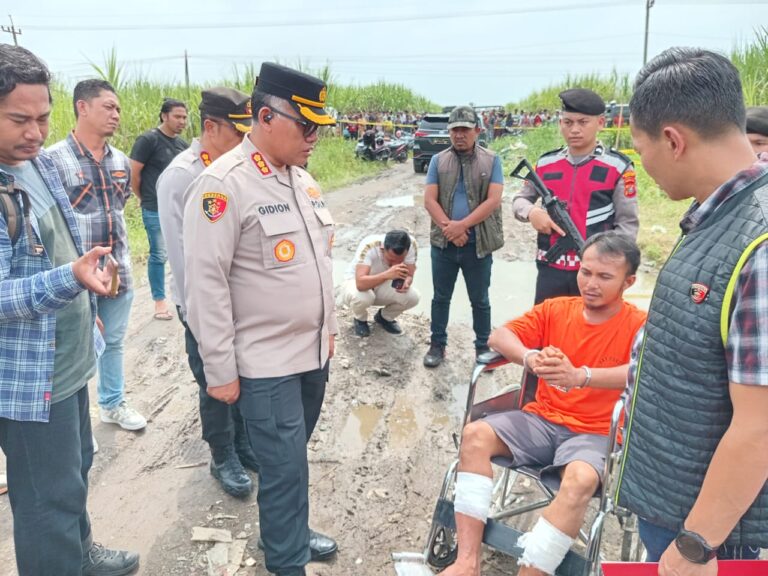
544,547
473,495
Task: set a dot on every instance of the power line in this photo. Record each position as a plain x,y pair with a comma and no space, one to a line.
315,22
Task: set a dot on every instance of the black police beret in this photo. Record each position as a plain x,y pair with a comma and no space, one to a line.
228,104
583,101
757,120
304,92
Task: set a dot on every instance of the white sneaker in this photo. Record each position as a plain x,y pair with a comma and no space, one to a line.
125,417
95,444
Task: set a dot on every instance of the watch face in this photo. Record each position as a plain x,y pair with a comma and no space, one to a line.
692,548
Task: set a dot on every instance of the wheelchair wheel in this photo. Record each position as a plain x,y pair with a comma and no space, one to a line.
442,550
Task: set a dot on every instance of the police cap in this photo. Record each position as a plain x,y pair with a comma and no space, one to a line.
582,101
757,120
227,104
305,93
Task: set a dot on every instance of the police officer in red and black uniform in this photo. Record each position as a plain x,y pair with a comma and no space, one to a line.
597,183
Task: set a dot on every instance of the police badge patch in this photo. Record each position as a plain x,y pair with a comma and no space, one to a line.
214,205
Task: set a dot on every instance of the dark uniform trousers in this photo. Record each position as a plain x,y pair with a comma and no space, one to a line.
279,419
221,423
220,420
48,464
553,283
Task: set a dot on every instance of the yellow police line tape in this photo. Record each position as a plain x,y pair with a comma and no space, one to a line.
496,127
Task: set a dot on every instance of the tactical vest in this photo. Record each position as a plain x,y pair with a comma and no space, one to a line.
587,189
681,405
476,169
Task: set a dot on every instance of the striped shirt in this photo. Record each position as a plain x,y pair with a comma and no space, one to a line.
31,291
98,191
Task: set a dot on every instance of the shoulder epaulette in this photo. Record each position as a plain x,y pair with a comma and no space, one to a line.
551,152
621,155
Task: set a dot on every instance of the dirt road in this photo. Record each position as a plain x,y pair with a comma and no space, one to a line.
382,444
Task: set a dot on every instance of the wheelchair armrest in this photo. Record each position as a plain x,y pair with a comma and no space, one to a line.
489,357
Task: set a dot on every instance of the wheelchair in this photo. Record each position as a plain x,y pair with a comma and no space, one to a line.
499,534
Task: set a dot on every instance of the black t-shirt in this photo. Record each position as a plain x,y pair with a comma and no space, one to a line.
155,150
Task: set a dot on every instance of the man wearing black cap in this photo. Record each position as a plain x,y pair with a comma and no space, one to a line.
757,128
463,198
225,117
257,241
597,183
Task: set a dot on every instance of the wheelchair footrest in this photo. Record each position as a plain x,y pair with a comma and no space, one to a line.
504,538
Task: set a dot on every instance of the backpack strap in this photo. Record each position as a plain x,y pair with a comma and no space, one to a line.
11,211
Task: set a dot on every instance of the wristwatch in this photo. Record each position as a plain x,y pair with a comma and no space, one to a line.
693,547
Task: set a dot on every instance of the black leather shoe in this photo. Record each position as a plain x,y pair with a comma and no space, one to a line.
296,572
321,547
390,326
434,356
362,329
100,561
230,472
245,453
482,350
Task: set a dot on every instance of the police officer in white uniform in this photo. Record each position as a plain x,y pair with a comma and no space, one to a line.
225,117
259,296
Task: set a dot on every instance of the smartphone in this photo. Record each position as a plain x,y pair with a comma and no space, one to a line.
398,283
115,275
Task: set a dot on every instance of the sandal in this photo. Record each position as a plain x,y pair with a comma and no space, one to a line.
163,316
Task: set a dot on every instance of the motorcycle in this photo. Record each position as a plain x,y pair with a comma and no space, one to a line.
373,146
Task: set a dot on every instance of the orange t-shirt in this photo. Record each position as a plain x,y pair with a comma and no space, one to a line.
560,322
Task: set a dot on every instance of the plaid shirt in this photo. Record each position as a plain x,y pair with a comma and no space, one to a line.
98,192
31,291
746,349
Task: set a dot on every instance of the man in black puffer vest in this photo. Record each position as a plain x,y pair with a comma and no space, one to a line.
695,464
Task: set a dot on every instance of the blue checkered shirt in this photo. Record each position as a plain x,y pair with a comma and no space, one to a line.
98,192
746,349
31,291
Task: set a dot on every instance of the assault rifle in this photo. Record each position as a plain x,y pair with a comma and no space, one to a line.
557,210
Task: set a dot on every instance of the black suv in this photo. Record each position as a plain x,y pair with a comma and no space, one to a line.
432,137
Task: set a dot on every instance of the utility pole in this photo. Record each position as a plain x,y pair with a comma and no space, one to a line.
186,71
12,30
648,5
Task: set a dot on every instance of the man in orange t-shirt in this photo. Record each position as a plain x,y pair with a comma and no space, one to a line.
579,348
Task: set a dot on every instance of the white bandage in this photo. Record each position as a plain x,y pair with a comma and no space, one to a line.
544,547
473,495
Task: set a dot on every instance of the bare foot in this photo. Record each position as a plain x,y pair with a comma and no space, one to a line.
530,571
461,569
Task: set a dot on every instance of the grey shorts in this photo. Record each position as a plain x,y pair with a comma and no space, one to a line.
536,442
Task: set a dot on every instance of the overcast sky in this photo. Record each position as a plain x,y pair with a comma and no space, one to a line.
452,51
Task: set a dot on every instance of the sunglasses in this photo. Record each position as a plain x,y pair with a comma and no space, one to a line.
308,127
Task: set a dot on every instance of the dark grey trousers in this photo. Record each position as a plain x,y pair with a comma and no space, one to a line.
279,414
48,466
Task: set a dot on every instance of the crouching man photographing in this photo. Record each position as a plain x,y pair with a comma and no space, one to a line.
579,349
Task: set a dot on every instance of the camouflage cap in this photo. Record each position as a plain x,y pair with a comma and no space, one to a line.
462,117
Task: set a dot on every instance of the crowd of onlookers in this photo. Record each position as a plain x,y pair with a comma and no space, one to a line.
497,121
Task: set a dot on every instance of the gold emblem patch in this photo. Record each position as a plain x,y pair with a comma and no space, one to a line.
261,164
285,251
205,158
313,192
323,95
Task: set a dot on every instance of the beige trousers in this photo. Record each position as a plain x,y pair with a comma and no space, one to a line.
394,303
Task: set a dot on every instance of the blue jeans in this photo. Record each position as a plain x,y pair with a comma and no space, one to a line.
446,263
48,464
656,540
114,313
157,254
